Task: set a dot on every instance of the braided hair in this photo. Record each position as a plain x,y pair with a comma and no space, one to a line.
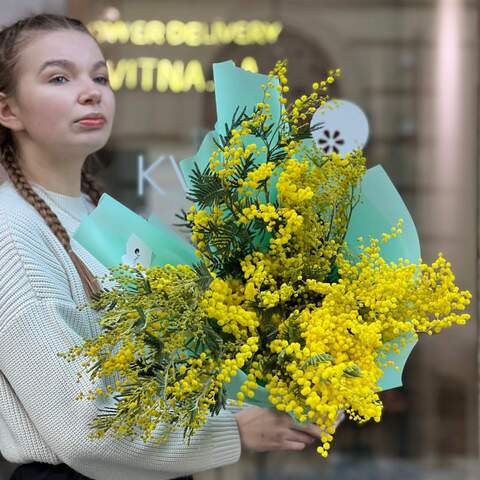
11,40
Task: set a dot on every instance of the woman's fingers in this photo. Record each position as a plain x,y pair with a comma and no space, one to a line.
310,429
315,430
297,436
266,429
289,445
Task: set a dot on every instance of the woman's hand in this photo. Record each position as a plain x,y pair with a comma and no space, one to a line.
265,429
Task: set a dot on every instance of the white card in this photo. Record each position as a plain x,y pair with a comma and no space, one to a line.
137,251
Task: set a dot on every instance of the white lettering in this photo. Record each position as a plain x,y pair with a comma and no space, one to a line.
145,174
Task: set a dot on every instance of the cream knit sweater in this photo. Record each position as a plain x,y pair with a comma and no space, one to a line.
40,420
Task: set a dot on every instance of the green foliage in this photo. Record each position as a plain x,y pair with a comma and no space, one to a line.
316,359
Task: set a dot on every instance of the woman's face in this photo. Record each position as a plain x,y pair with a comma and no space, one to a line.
62,77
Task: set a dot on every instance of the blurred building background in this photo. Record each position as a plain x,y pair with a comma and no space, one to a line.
412,66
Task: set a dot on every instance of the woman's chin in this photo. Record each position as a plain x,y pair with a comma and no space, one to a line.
87,147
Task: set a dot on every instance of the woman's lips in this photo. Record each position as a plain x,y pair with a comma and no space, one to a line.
92,122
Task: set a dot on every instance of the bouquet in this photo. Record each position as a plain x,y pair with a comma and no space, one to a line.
302,288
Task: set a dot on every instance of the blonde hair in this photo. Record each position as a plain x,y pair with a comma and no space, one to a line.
12,38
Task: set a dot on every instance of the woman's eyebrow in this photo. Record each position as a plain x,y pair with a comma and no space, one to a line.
68,64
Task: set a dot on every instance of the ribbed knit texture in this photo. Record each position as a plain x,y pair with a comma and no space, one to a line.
40,420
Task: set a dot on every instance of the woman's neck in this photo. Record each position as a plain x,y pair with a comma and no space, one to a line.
61,173
59,184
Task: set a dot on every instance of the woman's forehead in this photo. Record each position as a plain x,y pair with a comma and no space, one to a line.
75,47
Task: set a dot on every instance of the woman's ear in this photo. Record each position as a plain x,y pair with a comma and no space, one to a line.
8,113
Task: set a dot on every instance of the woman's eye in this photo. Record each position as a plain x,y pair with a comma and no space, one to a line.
103,80
59,79
54,79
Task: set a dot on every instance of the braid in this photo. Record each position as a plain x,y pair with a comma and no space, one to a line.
89,184
24,188
9,162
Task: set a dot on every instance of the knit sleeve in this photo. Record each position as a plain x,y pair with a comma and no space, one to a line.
33,329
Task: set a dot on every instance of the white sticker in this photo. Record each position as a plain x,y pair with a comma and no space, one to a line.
137,251
339,126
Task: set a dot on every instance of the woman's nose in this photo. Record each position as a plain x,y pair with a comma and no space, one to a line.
90,95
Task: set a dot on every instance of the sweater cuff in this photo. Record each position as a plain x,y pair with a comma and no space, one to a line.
225,439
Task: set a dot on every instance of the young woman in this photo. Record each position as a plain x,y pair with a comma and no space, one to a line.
56,109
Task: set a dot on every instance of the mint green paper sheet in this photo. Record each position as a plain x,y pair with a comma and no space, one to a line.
234,87
392,378
260,399
380,208
105,231
201,158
